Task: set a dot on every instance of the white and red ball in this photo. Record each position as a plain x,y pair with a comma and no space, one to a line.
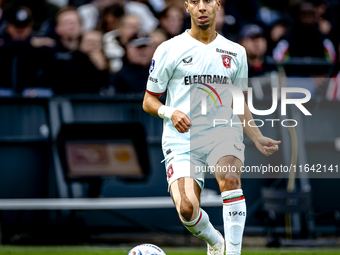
146,249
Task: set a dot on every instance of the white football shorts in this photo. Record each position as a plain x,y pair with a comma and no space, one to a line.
198,162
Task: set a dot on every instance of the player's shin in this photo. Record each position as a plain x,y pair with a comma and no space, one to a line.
202,228
234,217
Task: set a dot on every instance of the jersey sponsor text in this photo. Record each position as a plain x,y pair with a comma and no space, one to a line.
226,52
210,79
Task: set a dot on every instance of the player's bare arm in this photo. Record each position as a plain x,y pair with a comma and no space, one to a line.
264,144
152,105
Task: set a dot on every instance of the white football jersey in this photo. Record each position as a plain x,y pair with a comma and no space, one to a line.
188,69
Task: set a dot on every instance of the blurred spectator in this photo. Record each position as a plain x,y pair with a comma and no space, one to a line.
157,37
21,54
111,18
253,40
157,5
138,54
272,11
142,11
68,30
115,41
87,71
151,6
323,17
41,10
19,25
237,7
259,65
220,21
178,3
277,31
171,21
222,26
90,13
239,13
305,39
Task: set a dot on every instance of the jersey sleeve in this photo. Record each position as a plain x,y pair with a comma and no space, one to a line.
160,71
241,76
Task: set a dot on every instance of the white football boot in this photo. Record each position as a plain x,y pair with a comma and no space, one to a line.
218,248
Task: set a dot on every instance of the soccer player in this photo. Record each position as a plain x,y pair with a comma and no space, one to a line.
201,57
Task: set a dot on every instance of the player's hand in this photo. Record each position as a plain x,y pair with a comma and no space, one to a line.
266,145
181,121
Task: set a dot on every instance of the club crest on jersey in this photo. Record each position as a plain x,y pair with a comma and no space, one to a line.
226,61
152,66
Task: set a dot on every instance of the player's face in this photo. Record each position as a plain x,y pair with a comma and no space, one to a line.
203,12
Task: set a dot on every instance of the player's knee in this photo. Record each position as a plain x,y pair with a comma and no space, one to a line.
187,211
230,183
229,160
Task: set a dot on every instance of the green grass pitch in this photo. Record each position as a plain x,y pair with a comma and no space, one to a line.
105,250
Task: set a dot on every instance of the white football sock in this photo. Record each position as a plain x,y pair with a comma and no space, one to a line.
202,228
234,217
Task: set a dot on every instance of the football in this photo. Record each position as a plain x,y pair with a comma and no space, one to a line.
146,249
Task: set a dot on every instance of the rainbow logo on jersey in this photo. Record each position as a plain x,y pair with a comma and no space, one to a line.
210,94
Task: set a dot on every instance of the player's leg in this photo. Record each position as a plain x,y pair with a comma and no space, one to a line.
185,193
234,206
227,157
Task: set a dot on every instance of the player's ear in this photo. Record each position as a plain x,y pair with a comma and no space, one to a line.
186,6
219,4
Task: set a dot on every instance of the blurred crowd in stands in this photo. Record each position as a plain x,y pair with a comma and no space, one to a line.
54,47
